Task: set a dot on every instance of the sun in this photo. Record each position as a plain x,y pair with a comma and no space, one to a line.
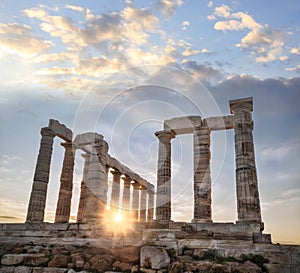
117,222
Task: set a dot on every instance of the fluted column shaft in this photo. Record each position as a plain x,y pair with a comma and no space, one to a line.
143,204
126,194
115,191
150,206
37,202
84,190
202,179
248,204
135,200
63,208
163,198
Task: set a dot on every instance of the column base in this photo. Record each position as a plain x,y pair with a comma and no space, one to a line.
255,222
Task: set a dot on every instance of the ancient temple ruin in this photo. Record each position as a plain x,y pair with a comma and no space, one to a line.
98,162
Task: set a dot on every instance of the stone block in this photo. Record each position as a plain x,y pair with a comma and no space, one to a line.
154,257
49,270
12,259
296,258
7,269
23,269
295,268
278,268
35,259
278,257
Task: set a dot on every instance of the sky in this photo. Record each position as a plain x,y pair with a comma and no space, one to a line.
122,67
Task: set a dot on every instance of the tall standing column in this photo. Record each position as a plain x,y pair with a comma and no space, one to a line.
126,194
202,179
143,204
83,190
248,204
63,208
163,198
97,181
135,200
115,191
150,205
37,203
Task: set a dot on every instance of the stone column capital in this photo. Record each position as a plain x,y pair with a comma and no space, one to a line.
45,131
136,186
165,136
245,104
116,173
127,181
85,156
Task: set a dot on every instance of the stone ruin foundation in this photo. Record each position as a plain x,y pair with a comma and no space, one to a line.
146,244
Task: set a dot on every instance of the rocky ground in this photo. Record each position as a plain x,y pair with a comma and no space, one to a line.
47,258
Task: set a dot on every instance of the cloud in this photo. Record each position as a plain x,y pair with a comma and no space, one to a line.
295,50
281,151
168,7
75,8
185,24
203,73
294,68
20,40
263,41
210,4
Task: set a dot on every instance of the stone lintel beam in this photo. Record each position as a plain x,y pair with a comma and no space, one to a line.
238,104
182,125
85,141
219,123
115,164
60,130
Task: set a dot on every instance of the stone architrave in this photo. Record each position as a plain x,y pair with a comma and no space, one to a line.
202,179
115,191
126,194
248,204
135,200
163,198
143,205
97,181
63,208
83,190
150,214
37,203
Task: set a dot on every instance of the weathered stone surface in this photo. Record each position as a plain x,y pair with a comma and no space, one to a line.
101,262
221,268
278,268
121,266
175,267
204,265
154,257
129,254
7,269
59,260
146,270
49,270
247,267
184,259
35,259
23,269
12,259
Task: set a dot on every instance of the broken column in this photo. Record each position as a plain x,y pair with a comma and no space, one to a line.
115,191
37,203
248,204
97,180
126,194
163,199
83,190
63,208
202,179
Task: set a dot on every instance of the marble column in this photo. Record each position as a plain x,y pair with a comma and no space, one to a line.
202,179
143,204
83,190
150,206
63,207
248,204
97,182
115,191
126,194
163,198
135,200
37,202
